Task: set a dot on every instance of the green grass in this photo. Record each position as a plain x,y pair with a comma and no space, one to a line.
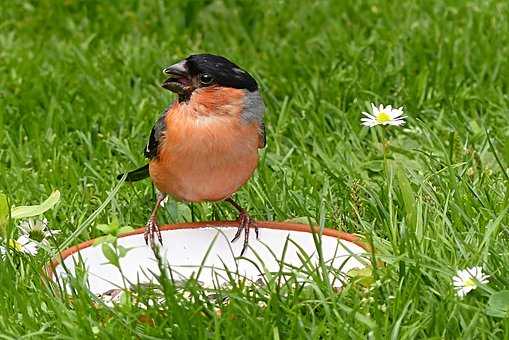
79,92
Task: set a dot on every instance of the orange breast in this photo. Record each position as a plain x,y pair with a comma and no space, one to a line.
208,153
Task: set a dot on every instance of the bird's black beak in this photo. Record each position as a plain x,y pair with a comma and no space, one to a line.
179,80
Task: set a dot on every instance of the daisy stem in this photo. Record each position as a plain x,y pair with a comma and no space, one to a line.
388,176
384,148
384,142
486,288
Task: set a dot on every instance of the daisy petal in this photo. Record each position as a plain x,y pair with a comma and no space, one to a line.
368,123
28,246
397,122
368,115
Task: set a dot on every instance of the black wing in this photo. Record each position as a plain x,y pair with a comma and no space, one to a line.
151,150
136,175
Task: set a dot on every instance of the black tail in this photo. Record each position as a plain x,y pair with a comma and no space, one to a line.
136,175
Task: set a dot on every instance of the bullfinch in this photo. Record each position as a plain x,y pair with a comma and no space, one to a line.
204,147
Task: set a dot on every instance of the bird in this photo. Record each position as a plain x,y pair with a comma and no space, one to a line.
205,145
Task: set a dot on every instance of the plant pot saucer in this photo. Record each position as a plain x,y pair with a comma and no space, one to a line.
203,251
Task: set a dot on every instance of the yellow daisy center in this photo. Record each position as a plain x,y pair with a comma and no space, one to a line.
15,245
470,283
383,117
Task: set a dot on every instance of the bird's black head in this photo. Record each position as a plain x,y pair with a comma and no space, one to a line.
202,70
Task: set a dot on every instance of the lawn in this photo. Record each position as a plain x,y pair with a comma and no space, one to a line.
80,90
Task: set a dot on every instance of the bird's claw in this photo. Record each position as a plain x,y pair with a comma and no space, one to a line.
245,223
151,229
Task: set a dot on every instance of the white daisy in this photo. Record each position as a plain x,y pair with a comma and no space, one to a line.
468,279
24,245
383,116
37,230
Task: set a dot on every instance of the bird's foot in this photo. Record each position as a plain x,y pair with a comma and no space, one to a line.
152,229
245,223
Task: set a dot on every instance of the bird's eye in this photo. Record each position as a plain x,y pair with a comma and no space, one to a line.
206,79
